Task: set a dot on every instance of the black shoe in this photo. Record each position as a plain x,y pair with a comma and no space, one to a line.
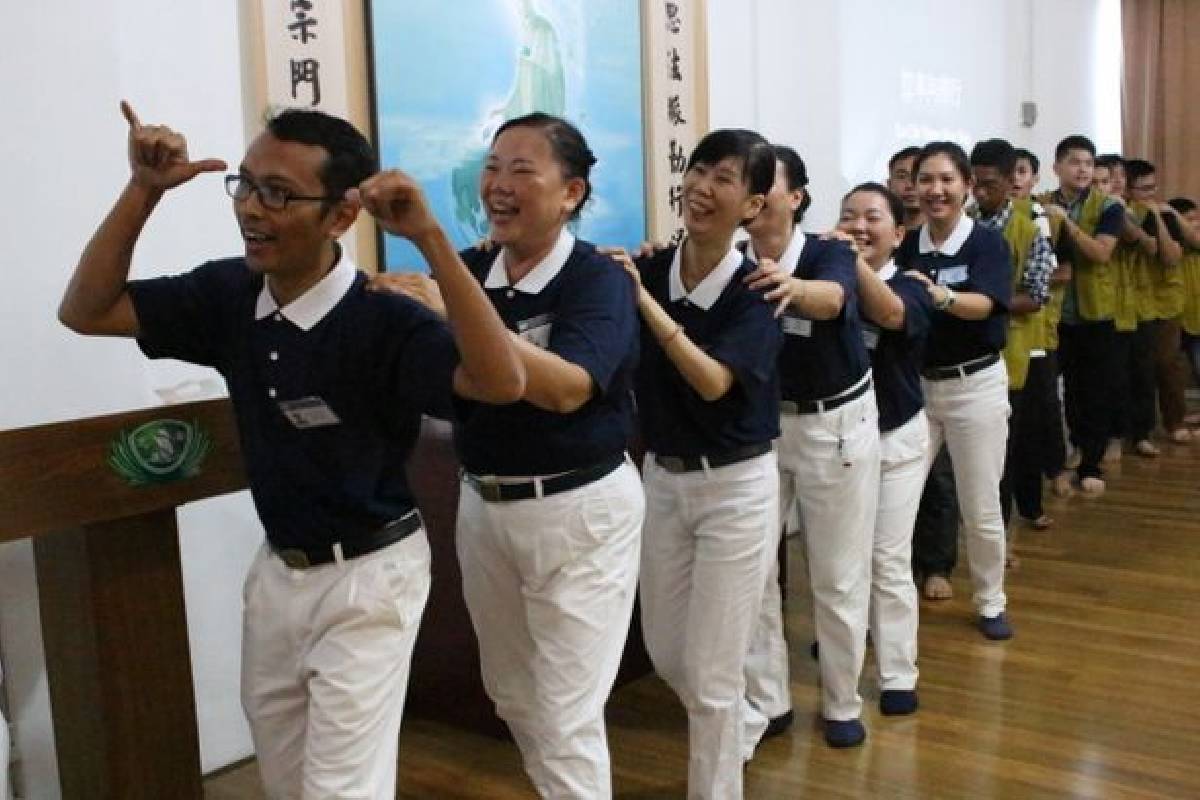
844,733
777,725
996,628
814,650
894,702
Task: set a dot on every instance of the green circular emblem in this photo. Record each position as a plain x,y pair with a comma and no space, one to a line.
159,451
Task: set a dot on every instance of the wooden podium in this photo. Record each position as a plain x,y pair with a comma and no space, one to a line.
111,592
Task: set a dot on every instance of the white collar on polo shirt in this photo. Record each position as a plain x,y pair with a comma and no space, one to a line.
953,243
709,289
536,279
887,271
791,253
311,307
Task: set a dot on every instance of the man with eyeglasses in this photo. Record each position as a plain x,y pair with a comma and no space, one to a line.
328,382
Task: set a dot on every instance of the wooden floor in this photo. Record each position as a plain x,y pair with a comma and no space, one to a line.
1098,696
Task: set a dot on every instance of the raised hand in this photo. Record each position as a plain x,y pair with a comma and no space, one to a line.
418,286
396,201
158,156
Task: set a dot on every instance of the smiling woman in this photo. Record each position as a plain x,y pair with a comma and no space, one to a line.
966,271
708,401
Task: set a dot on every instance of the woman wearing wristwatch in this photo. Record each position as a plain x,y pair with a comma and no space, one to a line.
967,272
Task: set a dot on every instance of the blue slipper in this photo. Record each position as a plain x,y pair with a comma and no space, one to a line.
996,628
844,733
895,702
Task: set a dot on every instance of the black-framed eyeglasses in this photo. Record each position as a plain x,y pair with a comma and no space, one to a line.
275,198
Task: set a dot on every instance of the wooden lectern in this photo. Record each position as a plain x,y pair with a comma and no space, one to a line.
109,577
107,552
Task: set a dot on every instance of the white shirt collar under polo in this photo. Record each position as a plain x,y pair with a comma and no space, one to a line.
537,278
887,271
709,289
311,307
791,254
953,243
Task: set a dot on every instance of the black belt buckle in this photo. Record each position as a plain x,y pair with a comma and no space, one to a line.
294,558
491,491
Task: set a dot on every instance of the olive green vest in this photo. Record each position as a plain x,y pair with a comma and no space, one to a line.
1189,273
1052,311
1094,283
1133,295
1025,331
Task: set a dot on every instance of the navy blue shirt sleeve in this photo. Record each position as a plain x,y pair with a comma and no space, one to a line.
185,316
918,305
749,344
991,271
836,262
419,358
1110,220
596,322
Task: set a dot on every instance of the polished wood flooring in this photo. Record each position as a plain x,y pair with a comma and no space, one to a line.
1098,696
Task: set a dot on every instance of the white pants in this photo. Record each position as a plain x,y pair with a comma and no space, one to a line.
903,460
549,584
829,465
704,561
971,416
325,660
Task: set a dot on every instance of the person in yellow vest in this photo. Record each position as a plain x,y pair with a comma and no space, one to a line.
1033,262
1133,316
1092,221
1041,382
1187,214
1163,301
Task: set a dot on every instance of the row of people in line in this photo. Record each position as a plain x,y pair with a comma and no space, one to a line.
547,345
1139,275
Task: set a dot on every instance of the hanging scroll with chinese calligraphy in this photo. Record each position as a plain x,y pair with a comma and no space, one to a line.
674,52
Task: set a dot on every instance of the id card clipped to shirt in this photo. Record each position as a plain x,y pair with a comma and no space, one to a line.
536,330
309,412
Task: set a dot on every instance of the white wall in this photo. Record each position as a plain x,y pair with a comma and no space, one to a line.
66,64
849,82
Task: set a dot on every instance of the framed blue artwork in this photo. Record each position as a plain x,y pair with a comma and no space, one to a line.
444,76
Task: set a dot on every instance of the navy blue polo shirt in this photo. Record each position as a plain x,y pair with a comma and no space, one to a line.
825,357
361,367
579,305
896,355
734,325
973,259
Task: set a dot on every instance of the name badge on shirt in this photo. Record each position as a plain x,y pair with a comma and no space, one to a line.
797,326
948,276
870,336
536,330
309,412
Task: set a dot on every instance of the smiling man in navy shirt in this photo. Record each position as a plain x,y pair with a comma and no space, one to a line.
328,383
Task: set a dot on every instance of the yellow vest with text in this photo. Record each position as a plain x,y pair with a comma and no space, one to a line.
1025,331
